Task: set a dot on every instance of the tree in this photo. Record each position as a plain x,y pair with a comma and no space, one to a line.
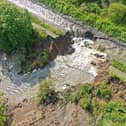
117,12
15,28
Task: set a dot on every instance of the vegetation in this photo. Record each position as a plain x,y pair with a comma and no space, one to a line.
92,13
114,77
44,58
119,65
2,117
46,26
20,39
102,91
114,114
117,13
46,94
85,94
105,113
34,61
41,34
15,28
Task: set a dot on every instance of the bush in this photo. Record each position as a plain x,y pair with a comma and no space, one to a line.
115,112
85,89
83,96
86,94
117,13
81,92
103,91
85,102
41,33
2,117
44,58
46,94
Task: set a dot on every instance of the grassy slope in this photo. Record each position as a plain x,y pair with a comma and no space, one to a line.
46,26
119,65
91,14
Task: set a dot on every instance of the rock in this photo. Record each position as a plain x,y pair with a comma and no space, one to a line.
99,54
92,71
89,35
93,63
25,100
34,70
19,105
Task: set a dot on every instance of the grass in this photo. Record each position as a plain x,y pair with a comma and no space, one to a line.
117,78
46,26
119,65
41,33
114,113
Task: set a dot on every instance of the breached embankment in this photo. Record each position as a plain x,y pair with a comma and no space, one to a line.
65,23
65,71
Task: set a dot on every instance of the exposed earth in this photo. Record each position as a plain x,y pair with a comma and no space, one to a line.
64,70
51,115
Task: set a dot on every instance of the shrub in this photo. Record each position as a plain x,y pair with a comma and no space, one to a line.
103,91
44,58
2,117
83,96
85,89
46,94
95,106
82,91
85,102
94,8
117,12
41,33
115,112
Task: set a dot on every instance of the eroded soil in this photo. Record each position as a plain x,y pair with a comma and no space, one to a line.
52,115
